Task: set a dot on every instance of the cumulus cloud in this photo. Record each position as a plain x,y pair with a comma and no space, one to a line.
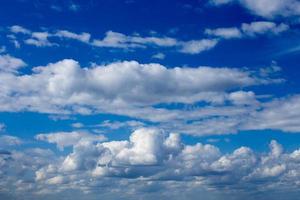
119,84
65,139
149,155
133,89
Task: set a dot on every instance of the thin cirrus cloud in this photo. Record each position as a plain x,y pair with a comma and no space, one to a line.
149,156
116,40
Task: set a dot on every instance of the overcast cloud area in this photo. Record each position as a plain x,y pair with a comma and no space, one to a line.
150,104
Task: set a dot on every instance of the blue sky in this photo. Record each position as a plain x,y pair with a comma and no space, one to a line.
149,99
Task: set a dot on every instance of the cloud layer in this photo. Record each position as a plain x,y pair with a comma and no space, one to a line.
150,156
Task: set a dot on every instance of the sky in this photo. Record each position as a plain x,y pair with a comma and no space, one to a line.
161,99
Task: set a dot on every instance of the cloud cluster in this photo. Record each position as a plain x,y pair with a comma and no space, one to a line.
113,40
144,91
122,84
149,156
248,30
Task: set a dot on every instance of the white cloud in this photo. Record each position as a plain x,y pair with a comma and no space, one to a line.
2,127
10,64
8,140
39,39
160,56
252,29
83,37
19,29
149,157
263,27
267,8
121,84
197,46
65,139
280,114
77,125
133,89
226,33
116,40
243,98
117,124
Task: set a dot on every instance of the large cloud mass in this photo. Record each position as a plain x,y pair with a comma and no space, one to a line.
150,156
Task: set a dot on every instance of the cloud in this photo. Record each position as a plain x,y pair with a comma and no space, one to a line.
9,63
252,29
19,29
119,40
149,157
83,37
267,8
144,91
116,40
159,56
262,27
65,139
226,33
2,49
2,127
114,125
280,114
197,46
8,140
65,83
39,39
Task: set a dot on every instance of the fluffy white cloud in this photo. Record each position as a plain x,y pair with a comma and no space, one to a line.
134,89
150,155
65,139
121,84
